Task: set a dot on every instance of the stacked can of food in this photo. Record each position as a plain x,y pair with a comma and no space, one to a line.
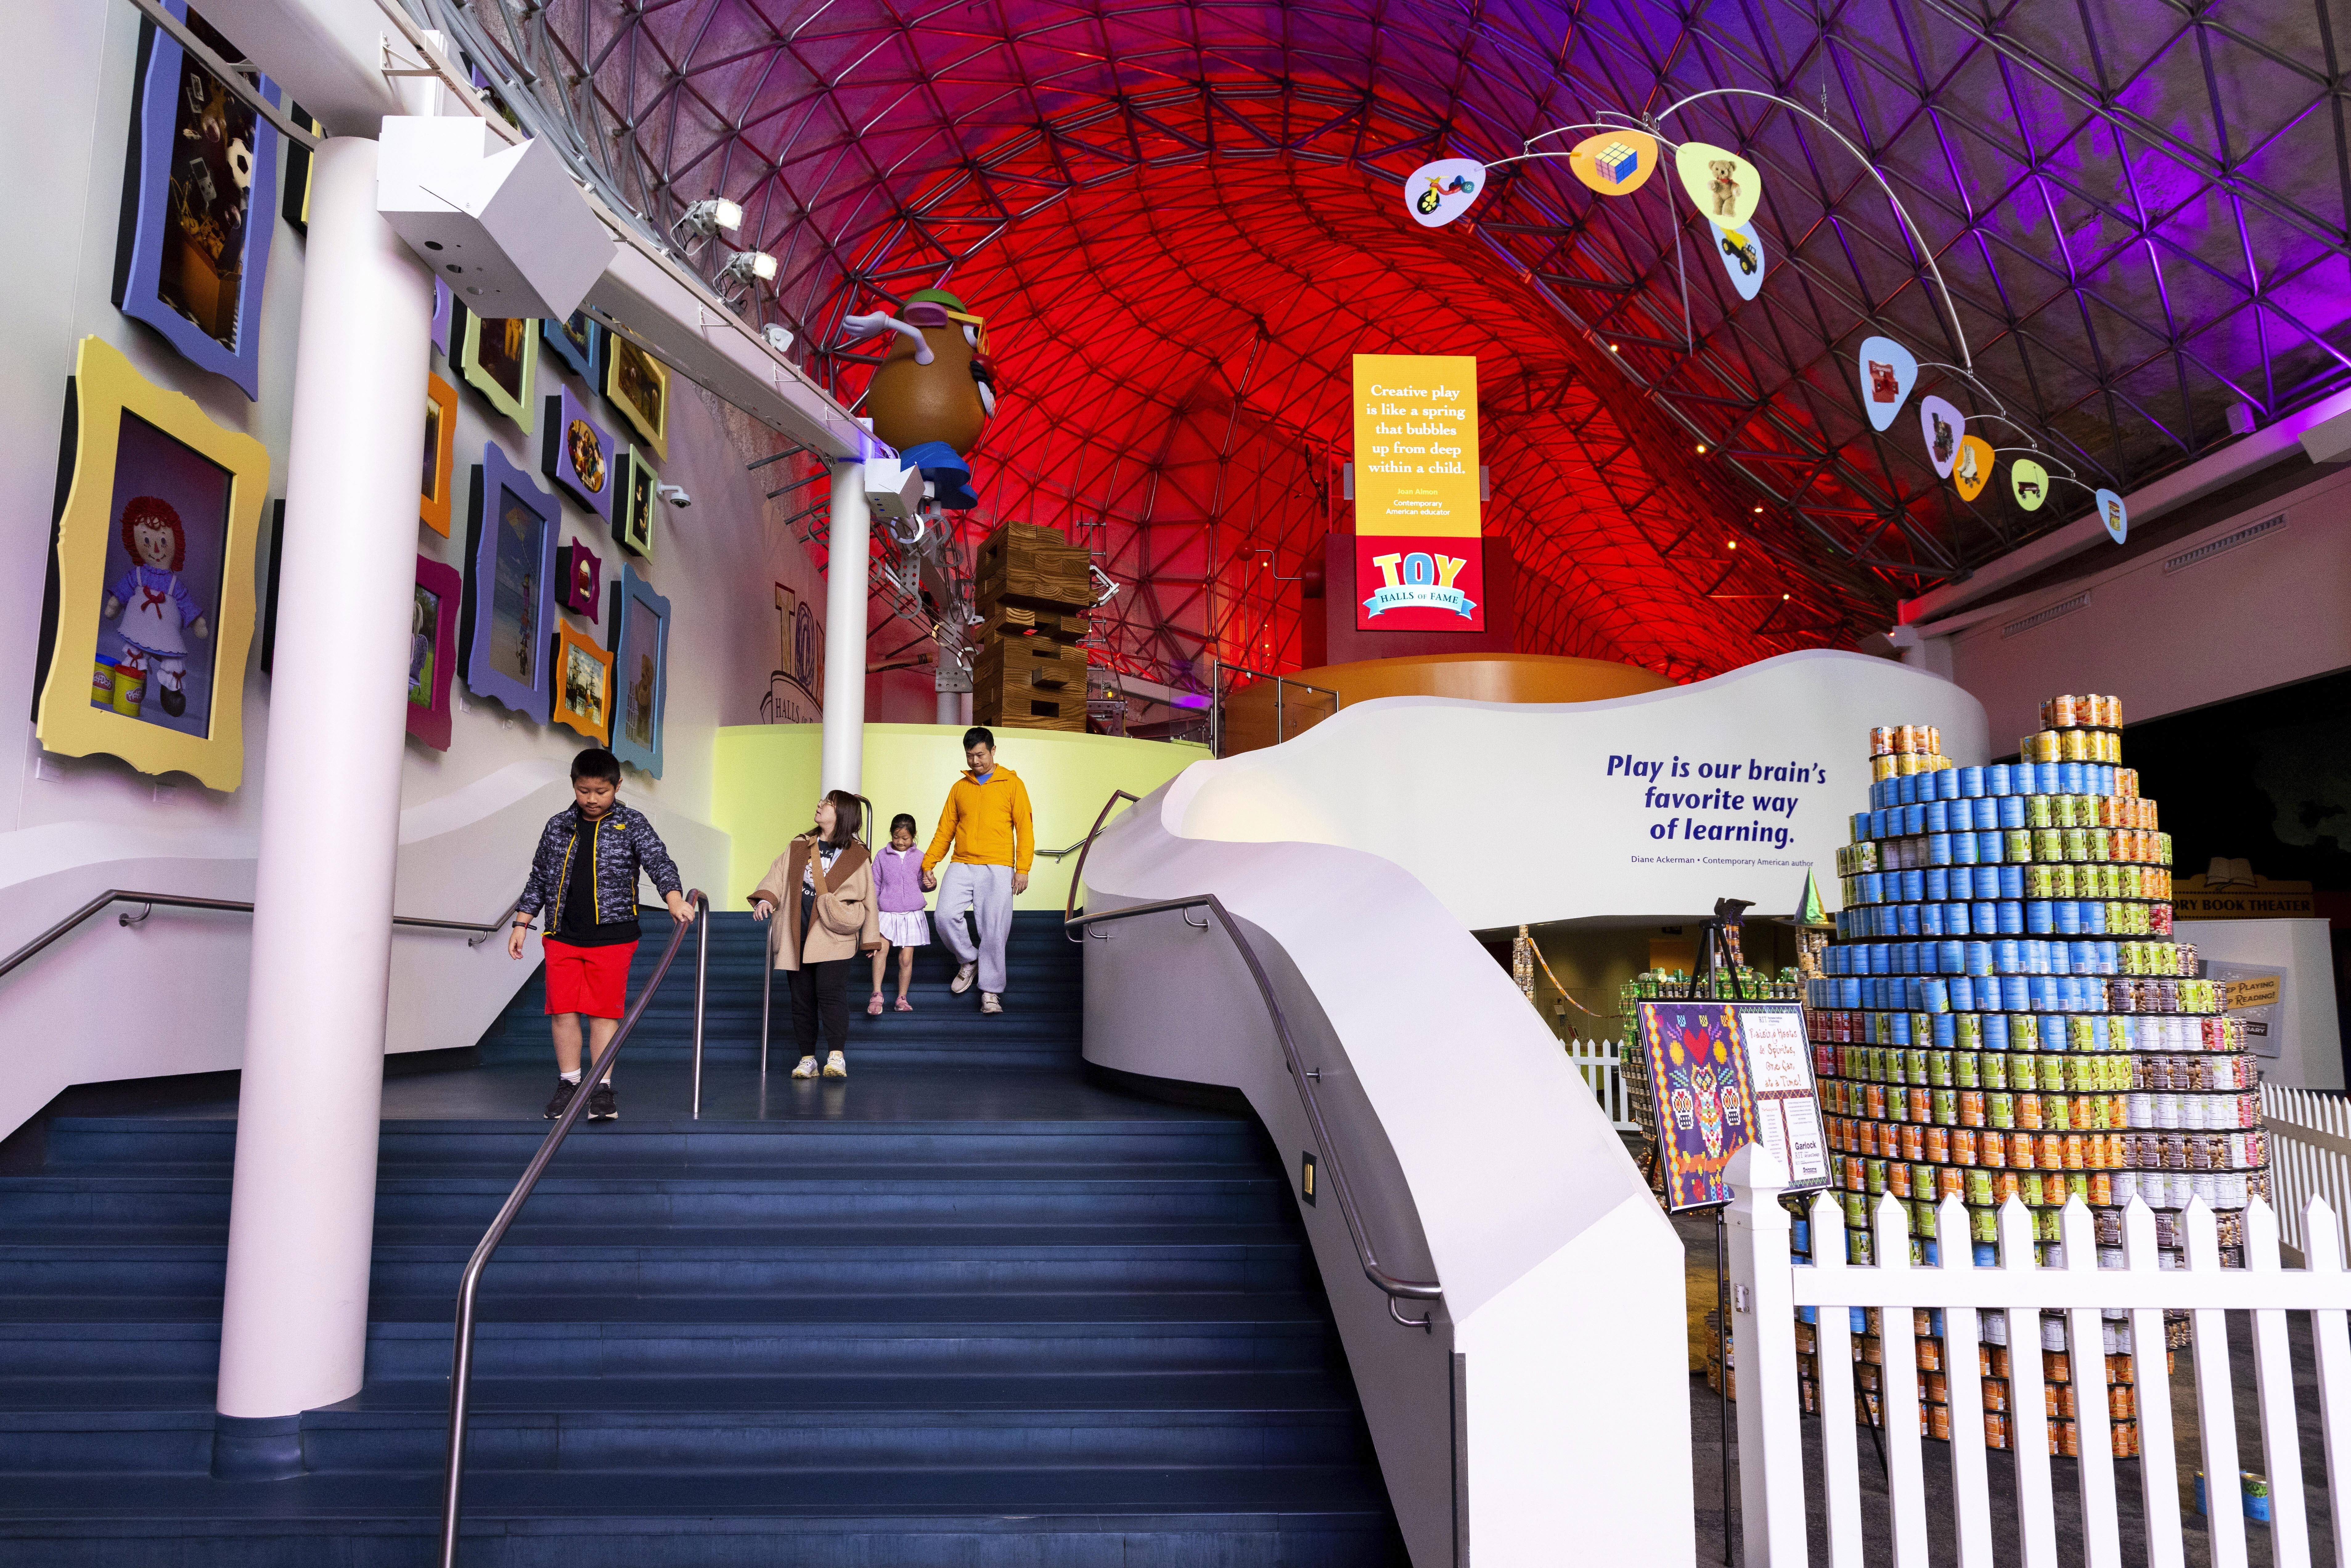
2004,1009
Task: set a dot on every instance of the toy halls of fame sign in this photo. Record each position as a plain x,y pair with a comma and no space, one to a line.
1419,561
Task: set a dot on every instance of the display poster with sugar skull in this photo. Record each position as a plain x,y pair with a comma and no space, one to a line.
1420,555
1708,1107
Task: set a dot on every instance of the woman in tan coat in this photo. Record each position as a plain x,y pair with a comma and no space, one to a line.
824,886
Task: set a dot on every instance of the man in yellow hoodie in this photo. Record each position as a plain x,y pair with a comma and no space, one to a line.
987,820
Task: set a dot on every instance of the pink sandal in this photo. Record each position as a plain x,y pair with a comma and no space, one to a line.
874,1006
905,1005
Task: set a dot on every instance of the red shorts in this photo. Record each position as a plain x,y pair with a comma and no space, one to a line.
592,980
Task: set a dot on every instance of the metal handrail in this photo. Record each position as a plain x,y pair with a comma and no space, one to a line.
154,900
1333,1168
461,1372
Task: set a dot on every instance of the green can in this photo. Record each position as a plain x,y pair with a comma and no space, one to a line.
2016,846
1999,1109
1872,1176
1946,1107
1967,1029
2040,812
2048,845
1979,1188
2077,845
1967,1069
2082,1032
2051,1074
1995,1068
2039,883
1983,1224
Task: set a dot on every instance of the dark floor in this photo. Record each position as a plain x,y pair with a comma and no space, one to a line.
1697,1233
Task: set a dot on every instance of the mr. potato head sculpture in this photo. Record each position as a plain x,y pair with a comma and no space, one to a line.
933,392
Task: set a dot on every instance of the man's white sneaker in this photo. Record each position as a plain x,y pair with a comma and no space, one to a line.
834,1067
806,1069
962,978
988,1003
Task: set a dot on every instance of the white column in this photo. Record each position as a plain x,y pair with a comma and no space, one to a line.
947,708
845,568
301,1217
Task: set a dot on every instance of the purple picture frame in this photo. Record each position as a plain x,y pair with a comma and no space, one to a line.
433,651
579,453
444,309
580,580
509,619
161,267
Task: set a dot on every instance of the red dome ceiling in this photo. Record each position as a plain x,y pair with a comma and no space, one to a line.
1181,220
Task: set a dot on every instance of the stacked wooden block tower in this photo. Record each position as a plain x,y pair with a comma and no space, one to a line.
1032,591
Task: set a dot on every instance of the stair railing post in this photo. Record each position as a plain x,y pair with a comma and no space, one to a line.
701,987
767,988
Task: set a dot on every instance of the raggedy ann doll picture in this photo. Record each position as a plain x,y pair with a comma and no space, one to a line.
156,619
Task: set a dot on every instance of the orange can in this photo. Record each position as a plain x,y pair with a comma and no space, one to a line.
1963,1146
2019,1151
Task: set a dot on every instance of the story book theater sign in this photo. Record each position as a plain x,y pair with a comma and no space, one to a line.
1417,524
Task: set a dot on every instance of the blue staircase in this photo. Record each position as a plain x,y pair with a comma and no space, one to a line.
970,1308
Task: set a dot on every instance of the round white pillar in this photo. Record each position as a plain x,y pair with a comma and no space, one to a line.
302,1212
947,708
846,548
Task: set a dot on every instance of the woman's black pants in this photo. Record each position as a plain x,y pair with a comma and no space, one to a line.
820,995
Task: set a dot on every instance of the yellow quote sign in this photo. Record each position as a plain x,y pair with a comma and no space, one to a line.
1417,444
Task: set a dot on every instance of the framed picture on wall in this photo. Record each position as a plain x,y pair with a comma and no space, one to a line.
584,683
577,453
200,203
444,304
637,504
433,651
150,609
640,671
510,590
638,385
580,578
440,452
575,341
298,170
500,359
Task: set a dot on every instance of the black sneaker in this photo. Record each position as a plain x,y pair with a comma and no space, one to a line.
602,1105
564,1090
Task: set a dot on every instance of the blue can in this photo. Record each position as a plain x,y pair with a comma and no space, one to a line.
1955,920
1906,921
1939,815
1987,1255
2016,993
2094,916
1938,882
1977,957
2106,778
2068,912
1963,849
2011,882
1938,849
2071,779
1946,1032
1996,779
2011,917
1987,881
2033,957
1967,816
1914,820
1950,958
1906,788
1963,993
1873,885
2037,917
1848,993
1930,920
1947,783
1985,918
1914,885
1861,833
1899,1026
1881,958
2052,1032
2012,810
1934,997
1988,848
2109,959
1971,781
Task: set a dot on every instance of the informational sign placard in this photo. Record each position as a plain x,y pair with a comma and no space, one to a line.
2255,993
1417,509
1726,1074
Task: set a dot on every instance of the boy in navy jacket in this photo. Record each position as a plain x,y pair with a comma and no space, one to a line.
583,878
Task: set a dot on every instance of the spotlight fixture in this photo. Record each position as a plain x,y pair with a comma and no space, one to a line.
747,266
1701,449
779,338
1734,544
712,214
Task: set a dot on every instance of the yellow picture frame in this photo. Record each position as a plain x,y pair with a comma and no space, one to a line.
627,369
592,718
108,391
438,475
506,373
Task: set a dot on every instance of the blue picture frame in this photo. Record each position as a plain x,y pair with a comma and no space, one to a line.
178,198
640,671
582,352
509,621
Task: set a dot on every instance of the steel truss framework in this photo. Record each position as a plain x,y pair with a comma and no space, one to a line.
1181,219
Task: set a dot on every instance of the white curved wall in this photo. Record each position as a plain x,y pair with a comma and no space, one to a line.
1360,857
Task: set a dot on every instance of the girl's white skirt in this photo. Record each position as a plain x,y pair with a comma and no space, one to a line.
907,928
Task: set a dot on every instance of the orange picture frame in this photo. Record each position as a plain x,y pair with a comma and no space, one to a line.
440,472
582,675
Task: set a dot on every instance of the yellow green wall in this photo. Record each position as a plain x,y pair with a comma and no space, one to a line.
766,788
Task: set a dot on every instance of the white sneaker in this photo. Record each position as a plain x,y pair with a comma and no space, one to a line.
806,1069
988,1003
962,978
834,1067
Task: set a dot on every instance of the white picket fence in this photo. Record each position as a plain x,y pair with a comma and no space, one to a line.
1767,1287
2310,1156
1602,1063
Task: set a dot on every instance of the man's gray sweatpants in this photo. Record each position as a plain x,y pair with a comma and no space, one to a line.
986,893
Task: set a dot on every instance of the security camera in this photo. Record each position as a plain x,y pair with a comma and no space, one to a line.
675,495
779,338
